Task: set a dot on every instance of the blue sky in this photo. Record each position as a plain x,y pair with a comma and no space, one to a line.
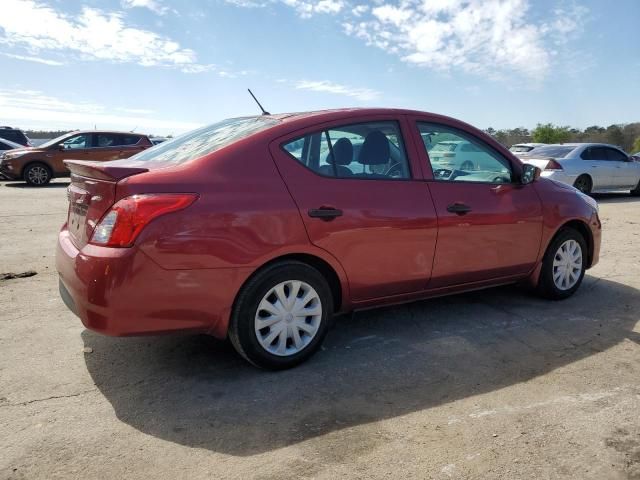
167,66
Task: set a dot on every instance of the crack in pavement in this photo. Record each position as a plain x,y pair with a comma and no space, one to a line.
53,397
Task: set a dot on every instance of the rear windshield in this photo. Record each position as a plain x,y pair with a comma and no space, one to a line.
13,136
556,151
521,148
444,147
203,141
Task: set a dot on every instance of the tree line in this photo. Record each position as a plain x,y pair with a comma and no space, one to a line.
626,136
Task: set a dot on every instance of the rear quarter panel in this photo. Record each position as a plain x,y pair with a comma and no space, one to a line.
244,216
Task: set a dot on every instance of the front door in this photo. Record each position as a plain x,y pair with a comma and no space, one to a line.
362,201
490,226
76,147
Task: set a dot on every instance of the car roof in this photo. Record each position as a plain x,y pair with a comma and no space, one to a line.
78,132
583,144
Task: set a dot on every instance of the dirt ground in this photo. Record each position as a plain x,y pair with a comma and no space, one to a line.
490,385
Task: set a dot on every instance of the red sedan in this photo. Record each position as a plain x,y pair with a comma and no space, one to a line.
261,228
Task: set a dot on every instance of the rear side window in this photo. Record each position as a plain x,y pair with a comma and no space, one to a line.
371,150
203,141
129,139
556,151
106,140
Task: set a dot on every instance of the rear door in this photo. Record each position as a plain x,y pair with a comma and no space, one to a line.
490,226
363,201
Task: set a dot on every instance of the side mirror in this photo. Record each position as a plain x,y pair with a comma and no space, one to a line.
60,146
530,173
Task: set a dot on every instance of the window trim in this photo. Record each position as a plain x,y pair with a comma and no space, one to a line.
313,130
514,172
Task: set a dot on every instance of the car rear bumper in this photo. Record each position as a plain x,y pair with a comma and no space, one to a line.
122,292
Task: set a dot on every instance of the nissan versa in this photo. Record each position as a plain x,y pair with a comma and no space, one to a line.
260,229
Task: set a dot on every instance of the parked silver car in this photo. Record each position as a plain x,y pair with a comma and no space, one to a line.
590,167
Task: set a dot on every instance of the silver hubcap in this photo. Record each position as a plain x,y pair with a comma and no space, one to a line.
38,175
567,265
288,317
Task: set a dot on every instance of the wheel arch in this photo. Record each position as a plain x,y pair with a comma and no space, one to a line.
34,161
581,227
584,174
335,278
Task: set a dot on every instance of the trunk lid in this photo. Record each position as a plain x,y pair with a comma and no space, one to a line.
91,193
538,161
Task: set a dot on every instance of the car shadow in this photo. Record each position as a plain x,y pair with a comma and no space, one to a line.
615,198
196,391
19,184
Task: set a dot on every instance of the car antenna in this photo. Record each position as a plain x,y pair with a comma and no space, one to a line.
134,129
264,112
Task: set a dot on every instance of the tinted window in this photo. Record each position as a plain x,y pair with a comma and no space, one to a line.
5,146
106,140
475,161
372,150
14,136
615,155
203,141
520,148
555,151
129,139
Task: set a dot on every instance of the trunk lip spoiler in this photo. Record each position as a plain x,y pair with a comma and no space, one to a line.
102,170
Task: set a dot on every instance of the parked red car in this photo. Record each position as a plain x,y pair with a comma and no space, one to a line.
261,228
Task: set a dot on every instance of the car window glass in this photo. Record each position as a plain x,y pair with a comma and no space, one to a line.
471,161
586,154
129,139
555,151
5,146
205,140
106,140
615,155
371,150
77,141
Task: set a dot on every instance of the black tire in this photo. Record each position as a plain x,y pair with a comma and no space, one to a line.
241,326
584,184
37,174
636,191
546,286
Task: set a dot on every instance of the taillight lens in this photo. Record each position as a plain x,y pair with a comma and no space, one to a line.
553,165
121,225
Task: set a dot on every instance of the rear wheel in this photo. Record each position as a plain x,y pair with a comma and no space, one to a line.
584,184
281,315
37,174
467,165
563,266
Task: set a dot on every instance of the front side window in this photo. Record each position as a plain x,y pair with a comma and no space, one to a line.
371,150
77,142
457,156
616,155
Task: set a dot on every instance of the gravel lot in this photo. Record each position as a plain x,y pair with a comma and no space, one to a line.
493,384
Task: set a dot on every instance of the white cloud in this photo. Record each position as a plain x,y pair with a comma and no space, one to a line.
27,58
492,38
304,8
34,109
153,5
362,94
90,35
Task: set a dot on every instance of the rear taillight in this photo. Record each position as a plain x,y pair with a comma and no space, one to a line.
120,226
553,165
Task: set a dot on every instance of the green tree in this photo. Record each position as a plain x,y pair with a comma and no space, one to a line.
635,148
550,133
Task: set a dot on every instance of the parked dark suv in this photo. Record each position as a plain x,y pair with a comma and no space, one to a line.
15,135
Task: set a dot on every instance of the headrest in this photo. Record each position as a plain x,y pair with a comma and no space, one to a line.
343,151
375,149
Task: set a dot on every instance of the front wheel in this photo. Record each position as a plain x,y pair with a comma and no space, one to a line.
636,191
281,315
563,266
37,174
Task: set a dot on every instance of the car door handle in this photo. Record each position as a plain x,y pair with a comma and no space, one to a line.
325,213
459,208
